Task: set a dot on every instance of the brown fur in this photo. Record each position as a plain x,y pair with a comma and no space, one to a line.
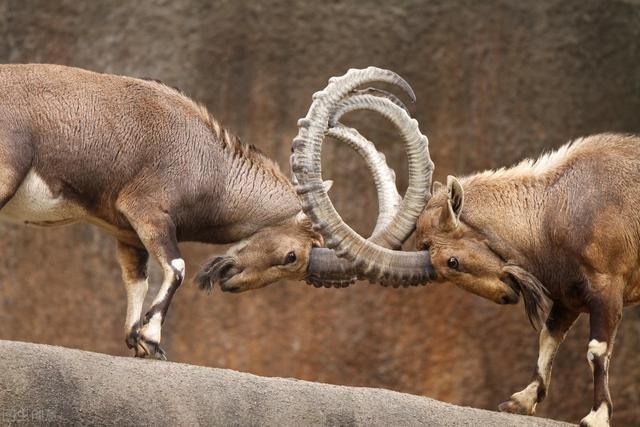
566,226
151,167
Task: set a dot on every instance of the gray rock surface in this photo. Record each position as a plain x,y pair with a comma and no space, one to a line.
41,384
496,80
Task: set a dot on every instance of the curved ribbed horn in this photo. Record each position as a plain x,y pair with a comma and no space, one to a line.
375,262
383,176
326,269
379,92
403,225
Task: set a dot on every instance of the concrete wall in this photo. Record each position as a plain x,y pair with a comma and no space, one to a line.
496,81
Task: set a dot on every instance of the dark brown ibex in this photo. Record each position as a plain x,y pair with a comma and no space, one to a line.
151,167
564,228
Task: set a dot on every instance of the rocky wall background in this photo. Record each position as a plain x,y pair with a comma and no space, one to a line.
496,81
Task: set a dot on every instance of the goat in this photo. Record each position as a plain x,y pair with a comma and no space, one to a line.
151,167
562,231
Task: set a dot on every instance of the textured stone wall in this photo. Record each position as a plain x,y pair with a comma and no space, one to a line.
496,81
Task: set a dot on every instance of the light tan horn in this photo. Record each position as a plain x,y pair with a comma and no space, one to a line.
373,261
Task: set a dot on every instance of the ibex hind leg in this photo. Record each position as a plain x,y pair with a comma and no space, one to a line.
133,262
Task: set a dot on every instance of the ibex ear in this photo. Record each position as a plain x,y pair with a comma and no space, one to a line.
327,185
455,201
437,185
316,238
301,217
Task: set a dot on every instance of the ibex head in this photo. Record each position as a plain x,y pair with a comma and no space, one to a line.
291,250
274,253
462,255
458,252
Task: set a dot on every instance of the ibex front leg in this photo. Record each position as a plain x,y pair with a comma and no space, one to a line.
605,311
133,262
558,323
158,234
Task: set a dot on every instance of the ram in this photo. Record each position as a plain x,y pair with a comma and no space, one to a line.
152,168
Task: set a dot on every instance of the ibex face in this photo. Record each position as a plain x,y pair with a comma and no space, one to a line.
458,253
272,254
291,249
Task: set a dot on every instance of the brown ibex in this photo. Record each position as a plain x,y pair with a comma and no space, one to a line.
151,167
563,230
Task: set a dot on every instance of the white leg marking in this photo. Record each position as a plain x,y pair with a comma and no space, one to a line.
548,348
178,264
152,330
136,291
528,397
596,349
599,418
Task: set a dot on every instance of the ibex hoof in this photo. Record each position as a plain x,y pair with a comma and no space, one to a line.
597,418
514,407
144,347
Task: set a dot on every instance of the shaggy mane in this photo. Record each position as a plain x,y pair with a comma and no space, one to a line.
552,163
238,149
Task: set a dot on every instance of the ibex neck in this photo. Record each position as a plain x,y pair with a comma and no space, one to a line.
239,190
510,214
257,193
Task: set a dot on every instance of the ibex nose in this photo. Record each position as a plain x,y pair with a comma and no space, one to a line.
509,299
227,271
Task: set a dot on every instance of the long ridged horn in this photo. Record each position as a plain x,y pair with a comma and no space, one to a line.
372,261
384,177
400,228
325,268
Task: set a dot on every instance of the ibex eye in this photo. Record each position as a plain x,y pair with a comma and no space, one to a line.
453,263
291,257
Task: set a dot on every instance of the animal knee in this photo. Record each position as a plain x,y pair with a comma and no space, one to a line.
596,352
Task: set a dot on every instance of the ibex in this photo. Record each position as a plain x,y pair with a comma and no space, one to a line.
151,167
564,229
